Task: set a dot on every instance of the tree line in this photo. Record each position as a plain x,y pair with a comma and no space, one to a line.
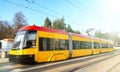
8,29
60,25
110,36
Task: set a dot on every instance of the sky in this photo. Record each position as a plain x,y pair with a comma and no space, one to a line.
101,15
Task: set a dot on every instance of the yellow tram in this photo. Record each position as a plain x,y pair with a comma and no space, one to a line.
40,44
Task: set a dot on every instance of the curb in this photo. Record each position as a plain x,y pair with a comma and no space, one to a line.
4,60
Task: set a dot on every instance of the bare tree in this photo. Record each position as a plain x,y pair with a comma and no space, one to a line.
6,30
2,29
19,21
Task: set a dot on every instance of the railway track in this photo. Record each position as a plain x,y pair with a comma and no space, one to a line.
92,63
69,65
115,68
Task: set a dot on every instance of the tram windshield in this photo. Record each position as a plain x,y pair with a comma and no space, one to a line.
25,39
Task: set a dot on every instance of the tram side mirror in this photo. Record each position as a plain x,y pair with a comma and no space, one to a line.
29,43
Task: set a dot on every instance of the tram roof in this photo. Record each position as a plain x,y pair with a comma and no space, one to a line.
34,27
79,35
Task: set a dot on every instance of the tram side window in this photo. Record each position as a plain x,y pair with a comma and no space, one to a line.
76,45
46,44
96,45
89,44
105,46
111,46
85,45
81,45
102,45
60,44
42,44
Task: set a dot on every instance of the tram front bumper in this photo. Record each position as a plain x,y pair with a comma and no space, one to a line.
21,58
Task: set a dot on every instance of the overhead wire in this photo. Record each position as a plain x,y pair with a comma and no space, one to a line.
85,6
89,11
58,13
44,13
77,7
74,5
29,8
35,10
47,8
